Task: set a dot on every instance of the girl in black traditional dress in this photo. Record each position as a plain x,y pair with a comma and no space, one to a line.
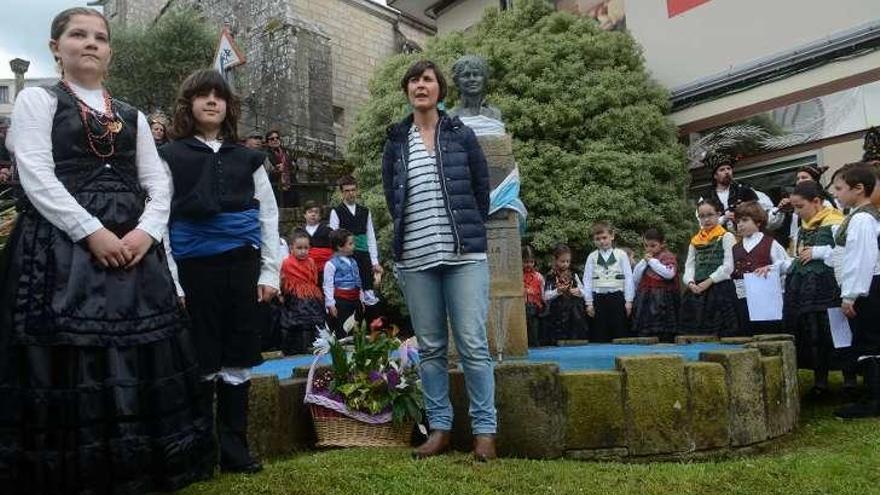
563,293
98,381
811,289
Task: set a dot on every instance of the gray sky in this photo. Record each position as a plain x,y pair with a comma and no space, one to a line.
24,33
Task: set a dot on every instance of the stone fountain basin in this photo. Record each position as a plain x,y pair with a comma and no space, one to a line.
622,401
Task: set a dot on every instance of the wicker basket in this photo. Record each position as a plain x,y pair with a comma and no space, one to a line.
337,430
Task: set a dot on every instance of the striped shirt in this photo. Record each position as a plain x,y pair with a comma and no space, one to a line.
428,239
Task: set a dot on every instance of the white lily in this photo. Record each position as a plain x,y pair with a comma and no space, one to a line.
325,339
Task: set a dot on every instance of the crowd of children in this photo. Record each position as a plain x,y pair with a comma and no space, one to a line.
833,263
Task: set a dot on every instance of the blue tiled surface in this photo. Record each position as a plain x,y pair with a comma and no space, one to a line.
586,357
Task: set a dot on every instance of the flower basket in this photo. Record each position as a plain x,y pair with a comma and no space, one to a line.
368,398
337,430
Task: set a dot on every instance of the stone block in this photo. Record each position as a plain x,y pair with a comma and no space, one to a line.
636,341
595,410
774,337
694,339
613,454
708,405
506,324
655,403
263,418
295,429
774,395
531,405
736,340
745,387
786,350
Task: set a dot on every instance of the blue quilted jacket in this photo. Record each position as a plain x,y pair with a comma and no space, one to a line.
463,173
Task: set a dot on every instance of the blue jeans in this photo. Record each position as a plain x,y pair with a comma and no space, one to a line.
461,294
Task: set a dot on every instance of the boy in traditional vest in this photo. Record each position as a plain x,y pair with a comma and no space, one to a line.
857,269
342,282
608,287
755,253
357,219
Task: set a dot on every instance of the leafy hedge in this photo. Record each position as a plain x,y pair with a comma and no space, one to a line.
590,135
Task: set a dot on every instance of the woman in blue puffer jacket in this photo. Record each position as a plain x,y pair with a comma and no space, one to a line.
436,184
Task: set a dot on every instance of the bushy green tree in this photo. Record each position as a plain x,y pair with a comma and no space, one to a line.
590,135
150,62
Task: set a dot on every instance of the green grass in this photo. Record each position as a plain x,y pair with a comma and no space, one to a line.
824,456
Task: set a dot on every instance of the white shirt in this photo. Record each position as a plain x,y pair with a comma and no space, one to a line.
721,273
779,260
856,263
31,141
629,291
270,240
311,229
371,234
666,272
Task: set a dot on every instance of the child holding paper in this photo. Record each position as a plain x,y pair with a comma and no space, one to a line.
754,253
811,289
857,267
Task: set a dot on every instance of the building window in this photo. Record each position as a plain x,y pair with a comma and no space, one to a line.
339,116
4,94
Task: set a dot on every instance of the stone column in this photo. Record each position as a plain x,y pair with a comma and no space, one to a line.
507,316
19,67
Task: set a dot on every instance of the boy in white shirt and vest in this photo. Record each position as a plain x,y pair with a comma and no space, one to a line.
608,287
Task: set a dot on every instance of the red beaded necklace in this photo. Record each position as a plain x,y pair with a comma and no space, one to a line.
108,122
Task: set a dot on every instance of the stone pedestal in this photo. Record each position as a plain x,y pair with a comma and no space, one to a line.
507,316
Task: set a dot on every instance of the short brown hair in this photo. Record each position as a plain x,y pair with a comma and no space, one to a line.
417,69
346,180
600,227
751,209
857,173
201,83
308,205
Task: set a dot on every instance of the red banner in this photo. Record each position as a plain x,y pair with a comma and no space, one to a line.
675,7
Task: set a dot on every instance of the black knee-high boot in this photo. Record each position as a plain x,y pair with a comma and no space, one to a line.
232,420
869,406
207,389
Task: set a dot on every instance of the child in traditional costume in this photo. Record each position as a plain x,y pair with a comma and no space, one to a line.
224,247
657,295
608,287
857,268
98,382
303,301
709,303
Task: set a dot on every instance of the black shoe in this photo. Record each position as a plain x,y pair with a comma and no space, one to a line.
869,406
817,394
862,409
850,393
252,468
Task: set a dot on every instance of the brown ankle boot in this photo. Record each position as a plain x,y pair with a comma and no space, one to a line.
436,444
484,448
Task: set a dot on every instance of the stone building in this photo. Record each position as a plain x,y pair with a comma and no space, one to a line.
308,61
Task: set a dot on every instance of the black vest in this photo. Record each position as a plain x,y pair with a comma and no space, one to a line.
357,223
207,183
75,163
321,239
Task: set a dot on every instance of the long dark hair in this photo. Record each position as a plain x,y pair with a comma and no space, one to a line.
201,83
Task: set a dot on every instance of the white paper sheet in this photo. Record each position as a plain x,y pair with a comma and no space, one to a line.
841,334
764,296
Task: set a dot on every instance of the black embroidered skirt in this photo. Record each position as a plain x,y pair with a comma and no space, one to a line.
98,381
